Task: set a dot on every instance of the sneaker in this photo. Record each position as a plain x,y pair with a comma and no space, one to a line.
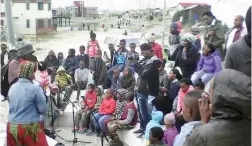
89,133
138,131
141,135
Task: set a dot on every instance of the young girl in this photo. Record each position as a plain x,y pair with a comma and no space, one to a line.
128,81
128,119
170,131
106,110
61,58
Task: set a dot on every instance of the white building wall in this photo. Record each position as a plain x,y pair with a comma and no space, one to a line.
20,15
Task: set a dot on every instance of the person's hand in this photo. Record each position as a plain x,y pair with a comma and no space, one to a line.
211,33
204,107
163,89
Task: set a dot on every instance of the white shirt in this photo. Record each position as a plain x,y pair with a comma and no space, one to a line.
6,58
232,35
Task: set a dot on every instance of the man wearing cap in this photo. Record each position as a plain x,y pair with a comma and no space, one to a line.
155,47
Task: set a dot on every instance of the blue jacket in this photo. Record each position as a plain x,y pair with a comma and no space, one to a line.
26,102
157,117
71,64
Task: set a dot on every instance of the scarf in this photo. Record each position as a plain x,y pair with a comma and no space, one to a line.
120,104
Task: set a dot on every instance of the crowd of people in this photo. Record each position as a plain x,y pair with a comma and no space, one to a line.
174,99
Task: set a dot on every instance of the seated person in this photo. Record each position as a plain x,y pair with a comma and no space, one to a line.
71,63
115,81
61,58
52,64
98,69
208,65
128,119
157,118
191,114
132,56
199,85
127,81
88,104
107,108
63,80
170,131
156,136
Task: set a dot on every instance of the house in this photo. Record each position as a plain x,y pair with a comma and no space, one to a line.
91,11
30,17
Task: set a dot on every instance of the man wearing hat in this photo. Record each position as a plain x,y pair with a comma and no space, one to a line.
155,47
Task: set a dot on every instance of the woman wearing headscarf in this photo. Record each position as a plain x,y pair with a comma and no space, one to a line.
186,56
228,106
174,38
26,103
127,81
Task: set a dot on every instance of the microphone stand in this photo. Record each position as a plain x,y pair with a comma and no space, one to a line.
92,113
75,140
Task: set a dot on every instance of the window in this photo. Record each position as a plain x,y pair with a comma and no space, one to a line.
27,6
2,22
40,6
27,23
49,6
40,23
2,14
49,23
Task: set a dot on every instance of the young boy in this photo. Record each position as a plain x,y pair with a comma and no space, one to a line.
81,79
115,81
99,69
170,130
199,85
63,80
88,104
71,63
156,136
61,58
52,64
132,56
83,57
191,114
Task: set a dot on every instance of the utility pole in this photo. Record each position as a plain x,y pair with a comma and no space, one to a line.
82,10
163,34
149,11
9,24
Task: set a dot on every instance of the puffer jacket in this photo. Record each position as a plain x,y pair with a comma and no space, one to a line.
157,117
230,123
52,63
210,64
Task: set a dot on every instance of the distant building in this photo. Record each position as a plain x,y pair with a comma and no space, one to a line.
90,11
30,17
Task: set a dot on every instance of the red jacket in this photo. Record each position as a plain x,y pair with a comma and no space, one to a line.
108,106
90,99
158,51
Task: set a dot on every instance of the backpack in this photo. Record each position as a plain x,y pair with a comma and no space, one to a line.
5,85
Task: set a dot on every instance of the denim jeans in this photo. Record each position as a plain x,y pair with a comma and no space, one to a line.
120,67
205,77
151,107
100,118
143,108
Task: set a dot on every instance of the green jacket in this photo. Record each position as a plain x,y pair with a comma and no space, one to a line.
219,38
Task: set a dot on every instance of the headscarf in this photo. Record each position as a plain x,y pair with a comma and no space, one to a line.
189,37
120,104
174,25
27,70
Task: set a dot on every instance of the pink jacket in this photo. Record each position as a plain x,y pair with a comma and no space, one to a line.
181,96
44,79
13,71
92,47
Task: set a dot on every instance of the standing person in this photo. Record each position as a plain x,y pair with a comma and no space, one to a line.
26,103
132,56
186,56
52,64
208,65
225,112
61,59
92,47
157,50
237,32
170,131
99,69
214,32
83,57
147,83
241,48
71,63
4,55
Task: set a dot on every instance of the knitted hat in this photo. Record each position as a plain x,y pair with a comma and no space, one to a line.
170,118
151,39
27,70
54,86
189,37
61,68
122,93
24,49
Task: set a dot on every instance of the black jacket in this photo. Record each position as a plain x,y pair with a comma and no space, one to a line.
83,58
148,79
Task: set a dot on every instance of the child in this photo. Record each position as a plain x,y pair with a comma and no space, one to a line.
53,110
52,64
208,65
44,78
191,114
127,81
115,81
171,131
128,119
71,63
63,80
61,58
83,57
99,69
156,136
106,110
81,79
132,56
157,117
87,105
199,85
92,47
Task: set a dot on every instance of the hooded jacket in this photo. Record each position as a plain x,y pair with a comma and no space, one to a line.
231,113
148,79
108,106
210,64
157,117
128,82
63,79
52,63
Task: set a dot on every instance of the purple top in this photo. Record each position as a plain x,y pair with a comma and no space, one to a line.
169,136
210,64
